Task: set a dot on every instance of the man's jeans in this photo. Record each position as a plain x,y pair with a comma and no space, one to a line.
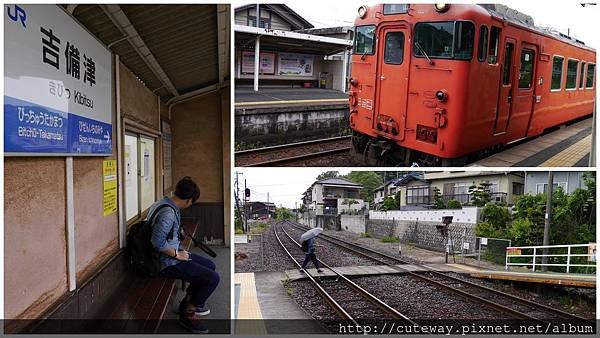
310,257
200,273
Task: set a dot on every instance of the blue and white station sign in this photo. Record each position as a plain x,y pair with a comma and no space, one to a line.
57,85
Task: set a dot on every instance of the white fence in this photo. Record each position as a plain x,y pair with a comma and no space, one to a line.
468,215
534,255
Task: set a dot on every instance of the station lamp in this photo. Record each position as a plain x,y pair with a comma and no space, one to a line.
362,11
441,8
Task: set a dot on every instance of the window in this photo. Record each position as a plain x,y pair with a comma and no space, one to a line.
140,179
417,195
508,57
394,48
446,40
264,22
483,43
591,73
461,188
557,67
364,42
540,188
526,71
581,74
518,188
493,49
571,74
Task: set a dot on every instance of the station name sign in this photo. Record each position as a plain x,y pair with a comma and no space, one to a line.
57,85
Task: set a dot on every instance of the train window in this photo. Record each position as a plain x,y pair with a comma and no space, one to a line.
526,71
463,42
571,74
394,48
581,74
591,72
483,43
364,42
557,69
508,57
438,39
494,42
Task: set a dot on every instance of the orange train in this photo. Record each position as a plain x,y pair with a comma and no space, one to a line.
437,84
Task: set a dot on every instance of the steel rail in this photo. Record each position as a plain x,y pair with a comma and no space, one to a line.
364,293
326,296
291,145
486,302
298,157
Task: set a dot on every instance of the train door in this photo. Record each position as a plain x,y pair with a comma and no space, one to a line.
392,80
505,93
524,95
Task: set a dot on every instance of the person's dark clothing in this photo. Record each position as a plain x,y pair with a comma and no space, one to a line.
310,254
200,273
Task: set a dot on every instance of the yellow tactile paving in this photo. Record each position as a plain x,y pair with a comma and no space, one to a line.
248,308
571,155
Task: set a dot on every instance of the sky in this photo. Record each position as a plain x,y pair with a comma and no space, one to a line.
284,186
560,15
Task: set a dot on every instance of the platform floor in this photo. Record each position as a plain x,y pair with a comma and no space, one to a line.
372,270
585,281
285,96
567,147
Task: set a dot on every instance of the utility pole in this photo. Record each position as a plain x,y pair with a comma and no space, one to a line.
548,220
237,199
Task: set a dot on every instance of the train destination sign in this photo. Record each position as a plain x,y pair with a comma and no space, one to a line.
57,85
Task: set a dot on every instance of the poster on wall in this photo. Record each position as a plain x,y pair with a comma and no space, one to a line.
57,85
267,63
109,174
292,64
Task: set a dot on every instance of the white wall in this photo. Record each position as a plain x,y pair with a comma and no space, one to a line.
465,215
353,223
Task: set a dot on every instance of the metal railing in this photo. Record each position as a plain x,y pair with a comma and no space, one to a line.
496,197
534,254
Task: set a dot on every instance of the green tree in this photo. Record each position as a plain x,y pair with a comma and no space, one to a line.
390,203
454,204
282,214
368,179
328,174
495,221
438,200
480,194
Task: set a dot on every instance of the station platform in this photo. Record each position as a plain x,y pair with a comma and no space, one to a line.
373,270
262,306
277,96
574,280
566,147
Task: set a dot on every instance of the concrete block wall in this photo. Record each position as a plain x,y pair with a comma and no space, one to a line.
353,223
465,215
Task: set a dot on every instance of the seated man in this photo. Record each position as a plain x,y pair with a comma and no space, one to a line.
198,271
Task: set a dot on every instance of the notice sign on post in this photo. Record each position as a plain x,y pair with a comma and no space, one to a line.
57,85
109,174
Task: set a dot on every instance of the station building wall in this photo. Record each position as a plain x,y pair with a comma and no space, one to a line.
35,204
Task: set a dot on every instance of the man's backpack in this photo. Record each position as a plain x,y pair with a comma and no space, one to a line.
143,257
305,246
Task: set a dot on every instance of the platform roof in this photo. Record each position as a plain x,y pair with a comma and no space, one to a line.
173,49
286,41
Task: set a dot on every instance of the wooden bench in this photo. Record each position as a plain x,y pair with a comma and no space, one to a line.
114,300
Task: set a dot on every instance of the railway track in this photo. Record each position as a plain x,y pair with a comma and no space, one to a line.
359,306
293,153
514,306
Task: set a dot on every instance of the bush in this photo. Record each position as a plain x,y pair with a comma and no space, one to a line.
390,239
239,231
454,204
485,229
365,235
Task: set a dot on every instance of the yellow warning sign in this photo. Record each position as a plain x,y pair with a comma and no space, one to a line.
109,173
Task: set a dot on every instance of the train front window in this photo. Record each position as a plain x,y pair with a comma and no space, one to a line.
394,48
444,40
364,42
526,71
572,74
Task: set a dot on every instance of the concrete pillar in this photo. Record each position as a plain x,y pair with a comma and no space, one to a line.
345,71
256,62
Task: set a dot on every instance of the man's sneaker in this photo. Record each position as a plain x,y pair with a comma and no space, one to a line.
192,322
200,310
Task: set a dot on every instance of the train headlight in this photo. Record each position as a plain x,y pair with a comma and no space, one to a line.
441,8
362,11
